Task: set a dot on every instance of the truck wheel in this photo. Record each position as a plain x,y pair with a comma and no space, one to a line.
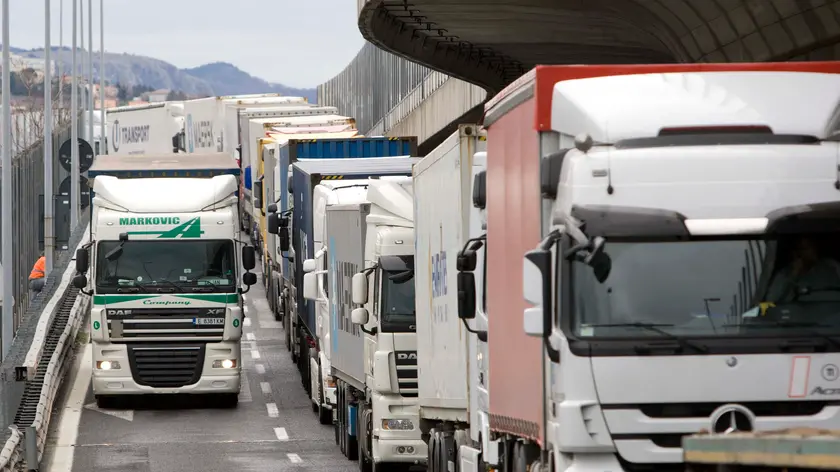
365,463
324,414
228,400
106,401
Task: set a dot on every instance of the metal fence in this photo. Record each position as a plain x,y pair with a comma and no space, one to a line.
11,390
373,84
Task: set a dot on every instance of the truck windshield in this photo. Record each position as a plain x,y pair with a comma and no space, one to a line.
788,286
198,265
397,303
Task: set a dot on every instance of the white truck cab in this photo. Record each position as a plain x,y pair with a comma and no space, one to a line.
688,277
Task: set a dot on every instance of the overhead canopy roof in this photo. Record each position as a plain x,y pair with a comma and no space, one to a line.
493,43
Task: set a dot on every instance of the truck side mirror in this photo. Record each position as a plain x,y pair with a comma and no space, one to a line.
310,286
309,265
466,261
536,289
359,289
80,281
249,258
249,278
359,316
466,295
284,239
273,222
82,261
272,208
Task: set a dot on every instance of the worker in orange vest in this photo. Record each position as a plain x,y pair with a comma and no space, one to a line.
38,274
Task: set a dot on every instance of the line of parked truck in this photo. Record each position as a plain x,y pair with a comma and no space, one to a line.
612,244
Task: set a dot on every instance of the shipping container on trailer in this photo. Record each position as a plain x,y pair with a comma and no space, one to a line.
203,125
306,174
296,149
156,128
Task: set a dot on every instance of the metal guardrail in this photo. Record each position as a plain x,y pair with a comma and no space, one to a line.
49,348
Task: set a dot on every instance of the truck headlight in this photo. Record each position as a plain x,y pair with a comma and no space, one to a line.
224,363
329,381
107,365
397,425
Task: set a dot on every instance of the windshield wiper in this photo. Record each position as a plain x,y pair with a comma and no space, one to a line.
792,324
656,328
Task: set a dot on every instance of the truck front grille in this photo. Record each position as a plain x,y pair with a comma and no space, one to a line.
166,366
406,362
127,325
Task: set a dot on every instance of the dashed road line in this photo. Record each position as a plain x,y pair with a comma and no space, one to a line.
245,389
281,434
260,368
255,354
250,337
266,388
247,321
273,412
294,458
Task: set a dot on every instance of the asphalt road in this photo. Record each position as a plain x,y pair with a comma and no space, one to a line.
273,428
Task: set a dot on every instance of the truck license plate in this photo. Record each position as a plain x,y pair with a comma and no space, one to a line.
208,321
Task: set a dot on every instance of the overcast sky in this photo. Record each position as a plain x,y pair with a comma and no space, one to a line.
300,43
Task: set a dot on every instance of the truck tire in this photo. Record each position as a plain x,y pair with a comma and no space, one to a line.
325,416
365,462
228,400
106,401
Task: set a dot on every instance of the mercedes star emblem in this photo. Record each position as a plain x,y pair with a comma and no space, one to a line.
731,419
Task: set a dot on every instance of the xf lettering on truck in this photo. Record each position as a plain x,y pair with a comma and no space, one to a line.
439,287
150,220
343,276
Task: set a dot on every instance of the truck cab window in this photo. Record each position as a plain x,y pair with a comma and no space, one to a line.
154,264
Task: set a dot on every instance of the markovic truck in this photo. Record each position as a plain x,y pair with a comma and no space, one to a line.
373,346
157,128
451,353
166,275
667,205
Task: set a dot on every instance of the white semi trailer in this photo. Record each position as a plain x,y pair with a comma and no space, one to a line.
156,128
451,352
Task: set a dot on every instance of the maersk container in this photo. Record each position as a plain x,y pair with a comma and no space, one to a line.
306,175
345,148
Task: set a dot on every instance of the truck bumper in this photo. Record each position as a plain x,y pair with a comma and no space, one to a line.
405,446
589,463
125,380
412,451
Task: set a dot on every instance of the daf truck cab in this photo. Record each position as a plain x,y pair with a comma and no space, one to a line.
166,271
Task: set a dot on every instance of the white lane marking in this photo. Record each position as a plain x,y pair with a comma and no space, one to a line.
266,388
245,309
294,458
270,324
281,434
245,388
255,354
250,337
273,412
247,322
68,428
260,368
127,415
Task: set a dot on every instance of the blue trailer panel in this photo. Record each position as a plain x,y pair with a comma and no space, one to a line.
344,148
308,173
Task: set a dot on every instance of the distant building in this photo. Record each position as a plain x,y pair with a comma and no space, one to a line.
137,101
20,63
157,96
